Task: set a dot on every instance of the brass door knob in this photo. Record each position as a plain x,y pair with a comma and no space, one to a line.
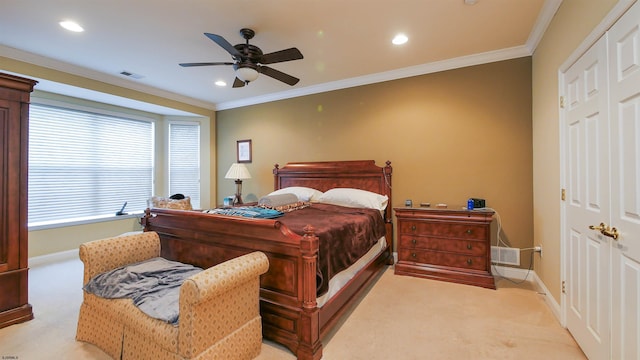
610,232
600,227
605,230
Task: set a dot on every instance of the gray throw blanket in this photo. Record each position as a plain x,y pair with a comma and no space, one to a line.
154,286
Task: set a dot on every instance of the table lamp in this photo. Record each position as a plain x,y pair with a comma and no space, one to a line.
238,172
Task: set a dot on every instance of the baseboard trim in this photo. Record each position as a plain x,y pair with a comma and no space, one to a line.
512,273
549,300
53,258
520,275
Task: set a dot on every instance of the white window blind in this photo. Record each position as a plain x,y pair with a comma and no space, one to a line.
184,161
85,165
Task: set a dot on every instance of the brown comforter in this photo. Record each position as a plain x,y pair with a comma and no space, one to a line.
345,235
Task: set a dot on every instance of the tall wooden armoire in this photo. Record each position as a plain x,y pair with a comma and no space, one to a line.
14,136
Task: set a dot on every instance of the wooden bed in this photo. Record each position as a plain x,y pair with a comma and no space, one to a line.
290,313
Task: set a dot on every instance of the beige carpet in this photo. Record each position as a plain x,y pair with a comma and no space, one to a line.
400,318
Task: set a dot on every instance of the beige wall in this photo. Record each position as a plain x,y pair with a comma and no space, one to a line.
573,22
449,135
45,242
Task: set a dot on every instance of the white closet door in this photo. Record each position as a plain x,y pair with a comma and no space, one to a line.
624,80
587,255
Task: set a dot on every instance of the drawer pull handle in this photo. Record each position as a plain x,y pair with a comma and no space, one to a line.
414,241
413,228
469,261
469,231
413,255
469,246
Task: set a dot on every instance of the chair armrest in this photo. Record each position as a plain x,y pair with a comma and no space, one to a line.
107,254
222,278
219,300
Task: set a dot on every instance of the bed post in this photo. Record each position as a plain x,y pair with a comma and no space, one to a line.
309,347
276,183
388,212
144,221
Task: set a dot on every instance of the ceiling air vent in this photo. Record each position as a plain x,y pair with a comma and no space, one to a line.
131,75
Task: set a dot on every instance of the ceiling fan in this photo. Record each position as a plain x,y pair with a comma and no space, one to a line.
249,61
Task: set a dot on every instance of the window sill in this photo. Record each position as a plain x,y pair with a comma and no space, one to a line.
85,221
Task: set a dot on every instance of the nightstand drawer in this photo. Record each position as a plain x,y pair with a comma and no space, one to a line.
443,259
450,230
467,247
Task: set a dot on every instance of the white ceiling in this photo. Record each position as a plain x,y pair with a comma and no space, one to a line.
344,43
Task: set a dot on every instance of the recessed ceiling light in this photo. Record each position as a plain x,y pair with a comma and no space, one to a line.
71,26
470,2
220,83
400,39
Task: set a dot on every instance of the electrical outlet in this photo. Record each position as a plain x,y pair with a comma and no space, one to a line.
538,249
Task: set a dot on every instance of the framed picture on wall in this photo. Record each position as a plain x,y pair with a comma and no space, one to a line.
244,151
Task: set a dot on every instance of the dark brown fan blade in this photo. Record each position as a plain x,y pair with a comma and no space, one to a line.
278,75
238,83
280,56
224,44
205,64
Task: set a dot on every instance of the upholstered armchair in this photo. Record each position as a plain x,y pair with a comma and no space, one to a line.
219,307
169,203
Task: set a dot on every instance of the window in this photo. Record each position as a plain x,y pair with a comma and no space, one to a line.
184,160
85,165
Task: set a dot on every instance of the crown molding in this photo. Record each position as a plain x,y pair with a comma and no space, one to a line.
438,66
56,65
547,13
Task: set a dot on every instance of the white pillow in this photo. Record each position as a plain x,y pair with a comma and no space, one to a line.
303,193
354,198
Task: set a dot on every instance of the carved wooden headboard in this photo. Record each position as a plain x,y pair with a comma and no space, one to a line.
325,175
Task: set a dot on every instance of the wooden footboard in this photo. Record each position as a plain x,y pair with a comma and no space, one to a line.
288,305
290,315
288,289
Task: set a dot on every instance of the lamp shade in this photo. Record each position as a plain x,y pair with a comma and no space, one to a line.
238,171
246,73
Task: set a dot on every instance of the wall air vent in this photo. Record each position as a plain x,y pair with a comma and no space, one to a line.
505,255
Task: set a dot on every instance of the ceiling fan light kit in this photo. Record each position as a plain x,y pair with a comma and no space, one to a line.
246,73
249,61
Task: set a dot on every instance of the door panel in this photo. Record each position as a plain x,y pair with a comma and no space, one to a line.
587,171
625,330
624,50
597,289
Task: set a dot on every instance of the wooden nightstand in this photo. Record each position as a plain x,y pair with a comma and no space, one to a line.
445,244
